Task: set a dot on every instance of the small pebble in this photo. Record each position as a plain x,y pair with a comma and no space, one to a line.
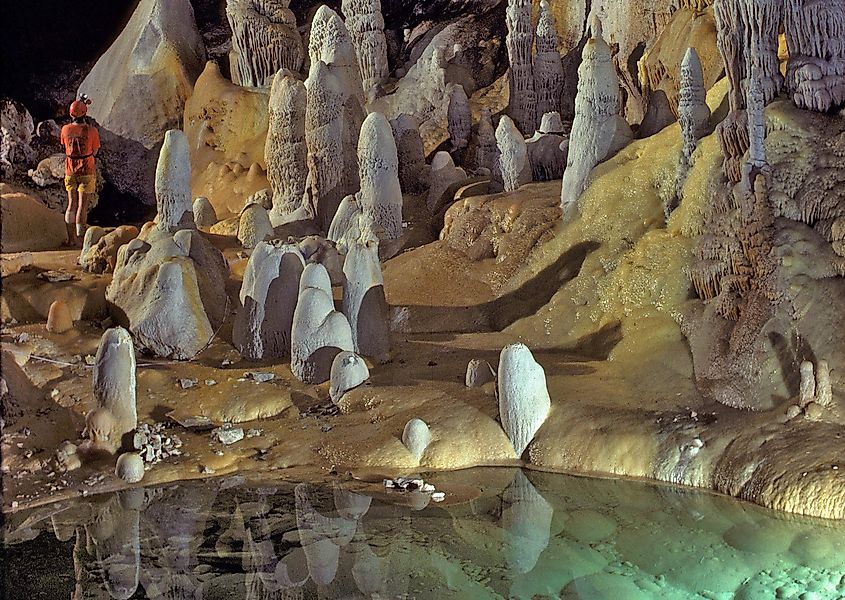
438,496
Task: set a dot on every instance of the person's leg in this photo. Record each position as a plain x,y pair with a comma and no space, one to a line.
81,217
70,213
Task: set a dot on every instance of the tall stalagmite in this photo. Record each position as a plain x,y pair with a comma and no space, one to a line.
285,151
548,68
331,42
173,184
693,115
380,195
598,131
513,155
459,118
366,26
413,172
264,40
520,41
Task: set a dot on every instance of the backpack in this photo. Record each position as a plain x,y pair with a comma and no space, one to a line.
77,150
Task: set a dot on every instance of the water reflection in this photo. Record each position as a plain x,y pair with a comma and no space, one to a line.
517,535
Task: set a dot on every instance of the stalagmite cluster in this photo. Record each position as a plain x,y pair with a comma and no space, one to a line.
520,42
548,68
459,118
381,195
513,155
693,115
264,40
285,151
524,401
366,26
598,131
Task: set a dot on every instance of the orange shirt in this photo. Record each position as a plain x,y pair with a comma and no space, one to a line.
81,141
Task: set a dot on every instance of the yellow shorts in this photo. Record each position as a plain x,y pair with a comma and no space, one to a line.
87,184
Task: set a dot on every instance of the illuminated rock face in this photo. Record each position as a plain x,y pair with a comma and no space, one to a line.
264,40
524,401
548,68
513,155
381,195
598,132
520,42
285,150
269,293
366,26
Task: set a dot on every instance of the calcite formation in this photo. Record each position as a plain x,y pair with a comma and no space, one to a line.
478,373
524,401
173,184
598,130
285,151
114,381
547,149
364,302
331,43
548,68
100,247
366,27
513,155
380,196
486,148
416,436
269,292
520,44
264,40
413,172
16,129
319,332
129,467
204,214
459,118
59,319
348,372
693,116
254,225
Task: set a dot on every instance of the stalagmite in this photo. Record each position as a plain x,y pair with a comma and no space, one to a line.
416,436
130,467
366,26
254,225
547,149
444,174
807,388
269,292
598,132
204,213
59,319
173,184
693,115
364,302
487,150
413,176
348,372
264,40
319,332
345,217
824,390
513,155
285,151
524,401
520,43
755,103
548,68
459,118
114,380
331,43
478,373
380,196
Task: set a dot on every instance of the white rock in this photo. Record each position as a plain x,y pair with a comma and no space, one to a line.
524,401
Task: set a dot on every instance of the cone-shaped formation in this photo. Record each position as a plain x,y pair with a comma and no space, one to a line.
264,40
548,68
319,332
130,467
366,26
520,44
444,175
346,217
114,381
824,390
755,105
204,214
413,176
459,118
254,225
693,115
598,132
173,183
331,43
513,155
380,196
524,401
59,319
416,436
478,373
364,303
285,151
269,293
348,372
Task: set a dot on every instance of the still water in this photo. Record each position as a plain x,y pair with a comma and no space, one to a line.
501,533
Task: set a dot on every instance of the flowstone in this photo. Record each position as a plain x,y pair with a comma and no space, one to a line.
524,401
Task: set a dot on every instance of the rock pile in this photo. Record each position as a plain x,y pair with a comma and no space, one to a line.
154,444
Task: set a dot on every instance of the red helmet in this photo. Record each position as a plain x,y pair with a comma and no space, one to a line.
78,109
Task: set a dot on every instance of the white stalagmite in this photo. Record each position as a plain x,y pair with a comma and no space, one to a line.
381,195
254,225
411,152
173,183
366,26
264,40
319,332
520,44
285,151
693,114
364,303
548,68
807,387
331,43
114,380
348,211
524,401
513,155
416,436
269,292
459,117
824,390
348,372
204,213
598,131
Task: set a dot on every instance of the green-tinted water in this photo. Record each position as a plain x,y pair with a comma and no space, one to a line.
500,534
